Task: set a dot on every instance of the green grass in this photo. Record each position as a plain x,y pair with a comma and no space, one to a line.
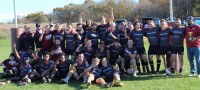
145,82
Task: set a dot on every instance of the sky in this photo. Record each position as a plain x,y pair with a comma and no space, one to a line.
24,7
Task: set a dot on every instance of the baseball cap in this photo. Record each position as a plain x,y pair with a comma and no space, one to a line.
190,18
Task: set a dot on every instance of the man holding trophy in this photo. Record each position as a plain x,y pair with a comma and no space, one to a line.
193,46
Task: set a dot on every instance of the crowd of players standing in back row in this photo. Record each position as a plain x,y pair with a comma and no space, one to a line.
101,53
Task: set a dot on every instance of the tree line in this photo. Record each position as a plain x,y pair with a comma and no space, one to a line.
122,9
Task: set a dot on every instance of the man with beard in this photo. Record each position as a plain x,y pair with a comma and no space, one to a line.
93,35
80,31
177,48
193,45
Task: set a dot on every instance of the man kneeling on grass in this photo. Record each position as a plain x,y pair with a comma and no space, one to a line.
25,71
110,73
46,66
95,74
78,69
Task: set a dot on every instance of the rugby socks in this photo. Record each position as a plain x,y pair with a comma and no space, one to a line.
147,67
158,65
180,70
172,71
152,66
138,65
143,66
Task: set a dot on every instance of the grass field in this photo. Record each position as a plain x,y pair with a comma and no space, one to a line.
145,82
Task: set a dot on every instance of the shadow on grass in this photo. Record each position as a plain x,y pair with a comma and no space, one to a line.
149,77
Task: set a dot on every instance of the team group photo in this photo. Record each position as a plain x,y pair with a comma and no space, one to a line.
105,53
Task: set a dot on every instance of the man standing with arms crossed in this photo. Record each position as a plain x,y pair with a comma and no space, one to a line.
193,45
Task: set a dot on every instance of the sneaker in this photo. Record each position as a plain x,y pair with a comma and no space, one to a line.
191,75
49,80
52,76
180,74
44,80
88,84
65,80
22,83
154,72
199,76
108,85
11,72
118,83
28,80
168,74
134,75
84,81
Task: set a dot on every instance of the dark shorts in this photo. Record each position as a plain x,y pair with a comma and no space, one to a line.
70,51
95,47
109,78
113,60
62,74
153,50
164,50
179,50
140,50
127,64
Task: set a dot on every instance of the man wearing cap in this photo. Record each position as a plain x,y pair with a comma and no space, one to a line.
37,35
193,45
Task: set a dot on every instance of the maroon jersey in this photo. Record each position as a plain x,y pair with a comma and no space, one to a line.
195,32
9,63
55,57
47,42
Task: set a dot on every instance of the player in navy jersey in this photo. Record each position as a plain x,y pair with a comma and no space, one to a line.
165,51
116,54
137,36
177,48
112,34
58,34
25,71
123,30
86,27
10,65
78,69
102,51
110,73
130,53
80,31
62,67
152,34
45,68
29,53
95,74
93,35
70,36
103,28
88,51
